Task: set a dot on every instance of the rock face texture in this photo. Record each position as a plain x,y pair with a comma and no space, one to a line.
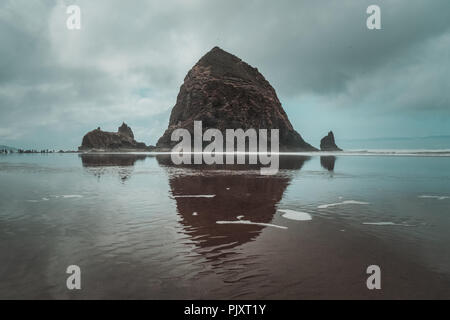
126,130
224,92
123,139
328,144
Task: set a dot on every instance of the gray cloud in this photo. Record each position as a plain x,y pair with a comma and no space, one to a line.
129,59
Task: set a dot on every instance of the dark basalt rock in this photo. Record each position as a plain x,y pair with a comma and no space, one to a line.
224,92
126,130
122,140
328,144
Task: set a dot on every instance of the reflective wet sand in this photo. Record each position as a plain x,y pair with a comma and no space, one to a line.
142,228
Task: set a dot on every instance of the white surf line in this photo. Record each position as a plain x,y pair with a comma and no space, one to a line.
324,206
399,153
67,196
295,215
387,224
41,200
424,196
252,223
380,223
196,196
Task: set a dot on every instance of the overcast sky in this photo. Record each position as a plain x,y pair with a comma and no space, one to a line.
130,58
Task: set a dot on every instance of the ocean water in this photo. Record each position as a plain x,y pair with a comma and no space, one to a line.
142,228
428,143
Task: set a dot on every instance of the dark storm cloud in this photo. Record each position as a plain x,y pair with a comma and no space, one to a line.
129,59
326,49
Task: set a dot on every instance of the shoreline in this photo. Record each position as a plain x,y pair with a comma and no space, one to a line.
386,153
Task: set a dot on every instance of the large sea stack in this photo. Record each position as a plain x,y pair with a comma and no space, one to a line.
224,92
122,140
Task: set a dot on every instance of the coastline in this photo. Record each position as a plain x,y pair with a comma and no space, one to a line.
373,152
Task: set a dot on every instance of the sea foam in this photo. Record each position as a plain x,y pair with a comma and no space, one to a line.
295,215
387,224
424,196
239,221
324,206
196,196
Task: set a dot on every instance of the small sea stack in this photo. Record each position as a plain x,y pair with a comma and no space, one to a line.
328,144
122,140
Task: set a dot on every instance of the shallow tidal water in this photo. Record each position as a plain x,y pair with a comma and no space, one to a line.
141,228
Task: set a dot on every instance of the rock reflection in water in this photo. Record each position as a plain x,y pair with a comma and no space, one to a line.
98,164
207,194
328,162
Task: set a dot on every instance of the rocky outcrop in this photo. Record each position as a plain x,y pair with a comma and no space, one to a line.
126,130
122,140
328,144
224,92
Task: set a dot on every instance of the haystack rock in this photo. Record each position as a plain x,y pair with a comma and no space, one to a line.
122,140
224,92
328,144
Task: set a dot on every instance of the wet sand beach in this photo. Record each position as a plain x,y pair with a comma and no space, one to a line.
140,228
